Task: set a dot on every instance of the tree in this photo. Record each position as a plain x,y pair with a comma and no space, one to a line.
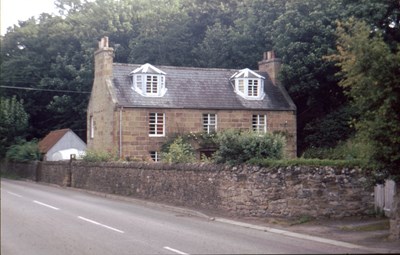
179,151
371,77
303,34
13,123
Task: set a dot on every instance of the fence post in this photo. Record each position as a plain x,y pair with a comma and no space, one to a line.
395,216
38,173
389,197
379,196
72,157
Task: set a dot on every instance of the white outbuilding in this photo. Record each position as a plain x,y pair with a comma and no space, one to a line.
62,144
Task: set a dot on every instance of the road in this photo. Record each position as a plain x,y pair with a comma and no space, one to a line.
42,219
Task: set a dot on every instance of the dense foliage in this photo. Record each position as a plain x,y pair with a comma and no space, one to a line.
179,151
99,156
13,123
54,54
371,73
237,147
24,152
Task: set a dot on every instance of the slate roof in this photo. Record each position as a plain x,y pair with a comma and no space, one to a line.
196,88
51,139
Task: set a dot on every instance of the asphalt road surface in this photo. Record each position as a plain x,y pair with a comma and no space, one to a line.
42,219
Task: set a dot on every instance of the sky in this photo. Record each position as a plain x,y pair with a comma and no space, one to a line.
14,10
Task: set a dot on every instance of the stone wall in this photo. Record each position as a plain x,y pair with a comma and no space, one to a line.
238,191
55,172
22,170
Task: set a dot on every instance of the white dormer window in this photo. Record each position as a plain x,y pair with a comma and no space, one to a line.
248,84
149,81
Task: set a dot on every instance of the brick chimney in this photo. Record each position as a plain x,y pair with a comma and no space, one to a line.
271,65
103,59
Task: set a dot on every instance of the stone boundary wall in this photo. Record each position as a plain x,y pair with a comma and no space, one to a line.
239,191
23,170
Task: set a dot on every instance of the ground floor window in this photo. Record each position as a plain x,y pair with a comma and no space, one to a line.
259,123
156,124
155,156
209,122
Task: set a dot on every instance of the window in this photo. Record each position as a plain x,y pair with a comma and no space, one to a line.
209,122
155,156
259,123
91,127
139,81
151,84
156,124
248,84
252,89
241,86
149,81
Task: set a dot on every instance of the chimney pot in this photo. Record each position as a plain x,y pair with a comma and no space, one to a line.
270,55
271,65
103,42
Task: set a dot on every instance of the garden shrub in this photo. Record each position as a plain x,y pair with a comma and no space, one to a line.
353,163
351,149
99,156
179,151
24,152
236,147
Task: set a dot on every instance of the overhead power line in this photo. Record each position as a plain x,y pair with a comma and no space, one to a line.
49,90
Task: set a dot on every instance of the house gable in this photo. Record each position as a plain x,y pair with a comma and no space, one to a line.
61,140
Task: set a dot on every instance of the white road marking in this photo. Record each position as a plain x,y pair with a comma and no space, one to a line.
175,250
48,206
14,194
292,234
99,224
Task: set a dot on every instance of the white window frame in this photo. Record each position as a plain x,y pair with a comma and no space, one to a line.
154,121
250,88
155,156
208,126
253,87
156,83
91,130
259,123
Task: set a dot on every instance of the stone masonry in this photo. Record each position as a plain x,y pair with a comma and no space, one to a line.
249,191
136,141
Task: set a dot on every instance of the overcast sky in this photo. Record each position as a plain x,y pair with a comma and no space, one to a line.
14,10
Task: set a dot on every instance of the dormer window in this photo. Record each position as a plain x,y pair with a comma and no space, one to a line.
149,81
248,84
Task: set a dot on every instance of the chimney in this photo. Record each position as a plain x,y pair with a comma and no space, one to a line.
103,59
271,65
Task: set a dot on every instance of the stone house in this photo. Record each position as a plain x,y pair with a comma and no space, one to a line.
134,108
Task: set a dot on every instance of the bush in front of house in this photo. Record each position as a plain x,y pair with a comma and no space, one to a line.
179,151
99,156
24,152
237,147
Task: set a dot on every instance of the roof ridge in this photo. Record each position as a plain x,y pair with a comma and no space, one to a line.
51,139
180,67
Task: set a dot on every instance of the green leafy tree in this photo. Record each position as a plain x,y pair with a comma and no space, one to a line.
24,152
13,123
179,151
371,76
303,34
